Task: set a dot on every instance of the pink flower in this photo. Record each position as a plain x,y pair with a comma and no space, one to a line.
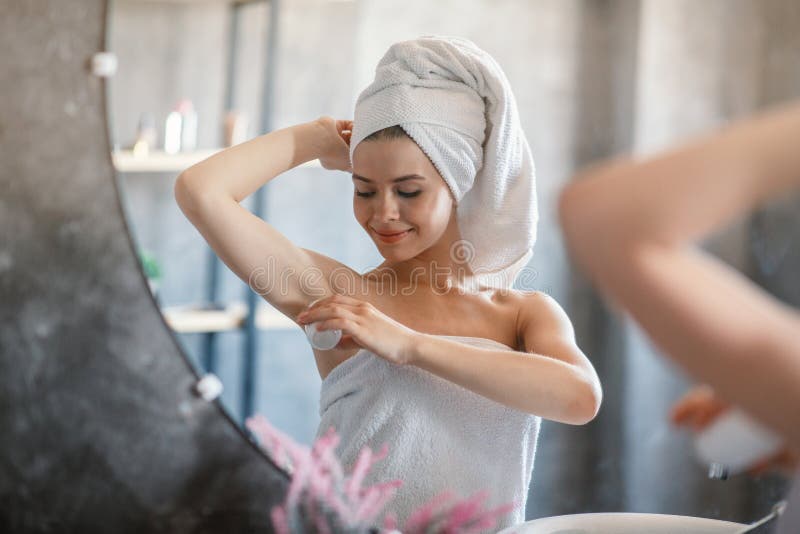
322,499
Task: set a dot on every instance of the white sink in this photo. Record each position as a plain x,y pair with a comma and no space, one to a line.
624,523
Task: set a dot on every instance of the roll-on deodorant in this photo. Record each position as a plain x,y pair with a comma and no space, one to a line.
322,339
733,443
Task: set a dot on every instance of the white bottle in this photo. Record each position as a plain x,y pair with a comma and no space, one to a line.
734,442
322,340
172,133
188,124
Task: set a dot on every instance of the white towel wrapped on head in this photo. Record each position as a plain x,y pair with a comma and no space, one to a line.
454,101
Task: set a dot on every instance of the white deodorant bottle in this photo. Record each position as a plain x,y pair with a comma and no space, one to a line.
322,340
734,442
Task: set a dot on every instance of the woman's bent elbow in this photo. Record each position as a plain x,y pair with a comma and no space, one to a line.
586,403
191,196
595,400
180,191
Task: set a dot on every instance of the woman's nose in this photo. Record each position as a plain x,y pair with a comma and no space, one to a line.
387,207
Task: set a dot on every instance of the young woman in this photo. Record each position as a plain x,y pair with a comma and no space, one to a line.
453,374
720,328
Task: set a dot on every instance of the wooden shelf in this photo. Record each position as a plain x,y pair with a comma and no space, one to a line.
268,318
160,161
190,2
192,319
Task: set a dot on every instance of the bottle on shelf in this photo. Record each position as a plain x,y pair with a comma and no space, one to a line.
180,129
146,136
188,125
172,132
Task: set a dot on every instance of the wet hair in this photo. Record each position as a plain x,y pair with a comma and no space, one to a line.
392,132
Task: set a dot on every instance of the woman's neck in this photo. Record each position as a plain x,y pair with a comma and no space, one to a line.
414,275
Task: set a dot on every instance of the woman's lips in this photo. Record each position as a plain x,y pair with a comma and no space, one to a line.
392,238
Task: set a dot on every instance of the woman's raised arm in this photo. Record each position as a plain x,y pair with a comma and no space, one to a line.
209,194
630,225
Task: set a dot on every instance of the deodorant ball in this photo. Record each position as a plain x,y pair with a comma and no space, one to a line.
322,339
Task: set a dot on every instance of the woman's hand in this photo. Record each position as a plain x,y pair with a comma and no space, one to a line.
334,144
363,326
700,406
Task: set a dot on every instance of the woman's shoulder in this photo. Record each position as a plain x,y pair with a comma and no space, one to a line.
536,309
527,297
542,315
526,304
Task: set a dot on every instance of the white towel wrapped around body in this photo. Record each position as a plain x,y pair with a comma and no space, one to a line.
455,102
441,436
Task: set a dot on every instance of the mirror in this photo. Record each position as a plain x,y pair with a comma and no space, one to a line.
102,428
590,79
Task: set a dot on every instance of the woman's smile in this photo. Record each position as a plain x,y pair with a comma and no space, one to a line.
392,238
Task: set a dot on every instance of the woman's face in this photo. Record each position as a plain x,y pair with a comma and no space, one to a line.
397,189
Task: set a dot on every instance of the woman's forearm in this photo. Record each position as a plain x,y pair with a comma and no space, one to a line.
533,383
713,323
240,170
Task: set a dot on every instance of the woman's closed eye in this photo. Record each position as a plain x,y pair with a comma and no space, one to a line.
407,194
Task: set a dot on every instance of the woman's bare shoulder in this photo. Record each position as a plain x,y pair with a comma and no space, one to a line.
529,297
537,311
